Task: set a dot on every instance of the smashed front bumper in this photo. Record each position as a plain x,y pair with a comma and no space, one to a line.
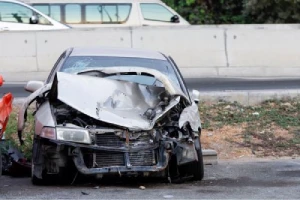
146,159
130,161
93,159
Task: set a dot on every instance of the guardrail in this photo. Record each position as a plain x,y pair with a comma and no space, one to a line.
200,51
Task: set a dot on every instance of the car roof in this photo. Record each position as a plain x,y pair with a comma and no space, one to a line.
13,1
116,52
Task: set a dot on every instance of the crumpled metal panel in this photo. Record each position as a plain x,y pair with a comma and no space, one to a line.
43,117
117,102
190,114
27,102
168,81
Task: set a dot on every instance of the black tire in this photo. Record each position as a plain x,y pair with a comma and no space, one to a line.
35,180
65,175
0,162
198,166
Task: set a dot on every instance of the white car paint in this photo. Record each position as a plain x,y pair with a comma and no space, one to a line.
135,17
14,26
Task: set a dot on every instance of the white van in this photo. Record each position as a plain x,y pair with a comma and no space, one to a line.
109,13
17,16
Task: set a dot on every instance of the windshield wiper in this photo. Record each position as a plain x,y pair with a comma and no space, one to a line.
99,73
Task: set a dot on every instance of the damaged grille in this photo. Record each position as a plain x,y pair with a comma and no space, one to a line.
143,158
108,159
109,140
112,140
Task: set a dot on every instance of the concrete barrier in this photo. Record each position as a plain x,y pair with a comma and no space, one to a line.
50,45
200,51
16,49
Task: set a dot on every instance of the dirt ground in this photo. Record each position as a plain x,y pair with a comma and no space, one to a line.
267,130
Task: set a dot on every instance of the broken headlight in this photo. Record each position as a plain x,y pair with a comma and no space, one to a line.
48,132
73,135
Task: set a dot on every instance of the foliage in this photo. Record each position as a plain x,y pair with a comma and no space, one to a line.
273,11
12,136
237,11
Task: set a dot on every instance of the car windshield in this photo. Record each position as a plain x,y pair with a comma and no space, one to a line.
75,64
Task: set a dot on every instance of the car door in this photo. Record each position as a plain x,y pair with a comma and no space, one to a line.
158,14
15,16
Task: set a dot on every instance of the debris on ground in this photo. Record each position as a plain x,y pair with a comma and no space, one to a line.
84,193
14,163
142,187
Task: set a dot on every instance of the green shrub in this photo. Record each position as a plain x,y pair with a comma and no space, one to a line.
237,11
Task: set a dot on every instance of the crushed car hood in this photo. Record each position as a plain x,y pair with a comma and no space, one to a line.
121,103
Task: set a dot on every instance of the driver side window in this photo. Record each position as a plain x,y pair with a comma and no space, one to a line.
16,13
156,12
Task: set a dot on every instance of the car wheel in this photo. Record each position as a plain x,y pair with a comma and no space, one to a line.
35,180
198,166
0,162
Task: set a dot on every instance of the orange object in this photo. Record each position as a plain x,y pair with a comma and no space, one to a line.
1,80
5,110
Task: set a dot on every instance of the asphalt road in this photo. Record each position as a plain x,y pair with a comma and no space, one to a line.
205,84
251,179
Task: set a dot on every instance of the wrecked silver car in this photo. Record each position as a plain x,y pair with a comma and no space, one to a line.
113,111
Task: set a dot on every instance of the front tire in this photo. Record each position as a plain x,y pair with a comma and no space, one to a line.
36,155
0,162
35,180
198,166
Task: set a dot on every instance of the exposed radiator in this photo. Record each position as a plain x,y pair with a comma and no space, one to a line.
108,159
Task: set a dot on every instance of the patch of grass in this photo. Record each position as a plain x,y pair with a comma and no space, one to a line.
260,121
11,134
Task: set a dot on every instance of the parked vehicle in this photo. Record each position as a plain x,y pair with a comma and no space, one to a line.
5,110
18,16
109,13
114,111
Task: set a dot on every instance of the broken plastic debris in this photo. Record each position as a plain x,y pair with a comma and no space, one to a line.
84,193
168,196
227,107
255,113
142,187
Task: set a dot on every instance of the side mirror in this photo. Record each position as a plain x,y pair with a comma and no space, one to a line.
34,19
195,96
175,19
33,86
1,80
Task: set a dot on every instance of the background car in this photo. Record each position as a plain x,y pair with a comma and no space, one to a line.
18,16
110,13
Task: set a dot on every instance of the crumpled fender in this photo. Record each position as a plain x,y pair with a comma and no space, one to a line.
190,115
22,114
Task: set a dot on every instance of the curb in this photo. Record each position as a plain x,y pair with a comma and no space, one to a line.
210,157
248,98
